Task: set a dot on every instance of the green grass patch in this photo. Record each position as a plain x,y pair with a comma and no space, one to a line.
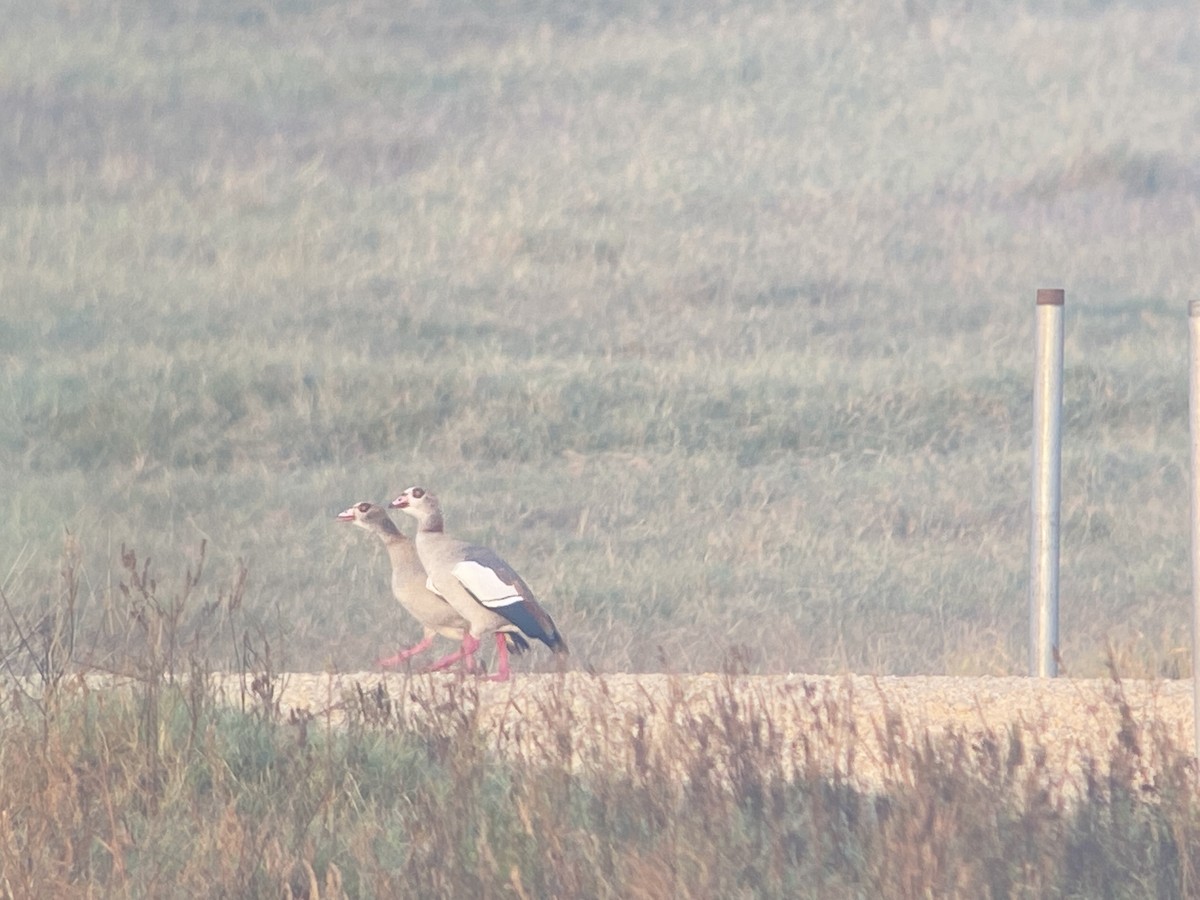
712,321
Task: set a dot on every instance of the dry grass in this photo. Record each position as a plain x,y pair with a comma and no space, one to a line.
218,803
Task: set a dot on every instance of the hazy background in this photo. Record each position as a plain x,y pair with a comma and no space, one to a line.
715,319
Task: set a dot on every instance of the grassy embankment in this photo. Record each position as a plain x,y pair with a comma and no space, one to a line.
717,325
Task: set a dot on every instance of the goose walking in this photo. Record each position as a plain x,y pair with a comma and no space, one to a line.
481,586
409,583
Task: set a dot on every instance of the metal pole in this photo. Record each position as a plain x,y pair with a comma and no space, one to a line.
1047,480
1194,417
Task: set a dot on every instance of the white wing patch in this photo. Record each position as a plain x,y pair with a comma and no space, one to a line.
485,584
432,589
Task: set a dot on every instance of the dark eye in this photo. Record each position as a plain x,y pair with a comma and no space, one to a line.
364,506
418,493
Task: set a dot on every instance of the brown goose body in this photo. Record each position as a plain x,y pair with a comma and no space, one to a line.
410,584
484,589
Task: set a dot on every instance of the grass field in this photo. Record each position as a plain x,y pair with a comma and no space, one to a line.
714,319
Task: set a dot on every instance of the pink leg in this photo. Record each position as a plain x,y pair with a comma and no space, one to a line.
393,661
467,650
502,654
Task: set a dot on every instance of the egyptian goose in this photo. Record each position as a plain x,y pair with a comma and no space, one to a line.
408,582
481,586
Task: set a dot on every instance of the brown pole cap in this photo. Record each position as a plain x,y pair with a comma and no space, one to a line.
1050,297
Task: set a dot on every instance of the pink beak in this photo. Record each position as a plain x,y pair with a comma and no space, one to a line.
346,515
399,503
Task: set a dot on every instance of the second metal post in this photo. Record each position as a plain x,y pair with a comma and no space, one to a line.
1194,428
